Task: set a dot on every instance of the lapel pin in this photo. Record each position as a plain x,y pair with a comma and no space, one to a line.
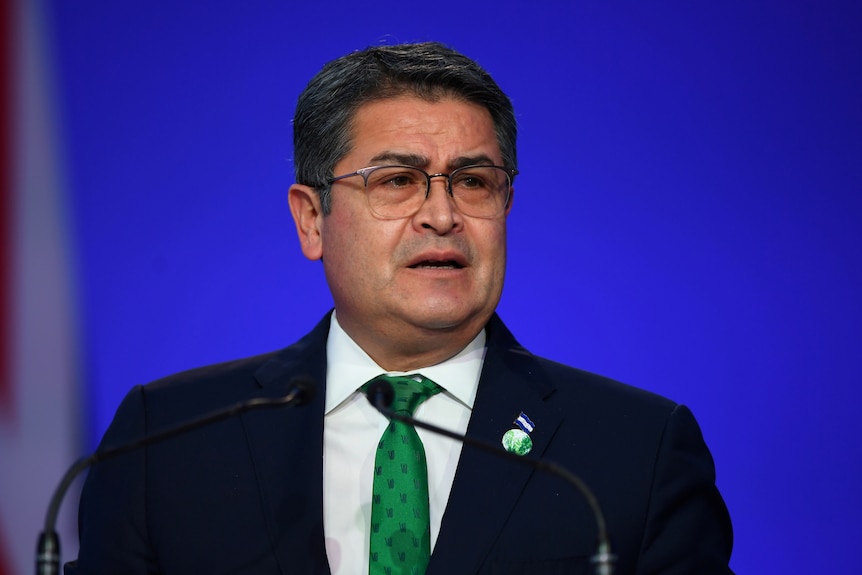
518,440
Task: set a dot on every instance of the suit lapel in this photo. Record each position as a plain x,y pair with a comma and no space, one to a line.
487,487
287,449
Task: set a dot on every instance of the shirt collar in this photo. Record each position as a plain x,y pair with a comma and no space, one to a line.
348,367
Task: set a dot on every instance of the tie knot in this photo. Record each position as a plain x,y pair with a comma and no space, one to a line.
410,391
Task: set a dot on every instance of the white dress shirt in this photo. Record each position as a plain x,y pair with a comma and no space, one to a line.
352,428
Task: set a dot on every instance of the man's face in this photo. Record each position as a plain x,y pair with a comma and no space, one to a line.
439,272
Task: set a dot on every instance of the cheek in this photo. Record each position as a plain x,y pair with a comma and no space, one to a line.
493,248
500,260
495,239
343,231
359,247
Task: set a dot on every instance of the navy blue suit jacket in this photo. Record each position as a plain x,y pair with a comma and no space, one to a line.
245,495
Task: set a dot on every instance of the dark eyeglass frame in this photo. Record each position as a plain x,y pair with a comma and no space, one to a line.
366,172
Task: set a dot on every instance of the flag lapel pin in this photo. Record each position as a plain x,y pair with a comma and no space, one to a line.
518,440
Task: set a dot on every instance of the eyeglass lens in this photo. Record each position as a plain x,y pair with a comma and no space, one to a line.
399,191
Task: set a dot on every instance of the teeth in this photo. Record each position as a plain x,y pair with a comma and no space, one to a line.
438,265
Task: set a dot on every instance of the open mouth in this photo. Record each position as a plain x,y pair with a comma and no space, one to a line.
437,264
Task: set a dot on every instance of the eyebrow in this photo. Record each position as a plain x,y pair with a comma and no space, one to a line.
419,161
404,159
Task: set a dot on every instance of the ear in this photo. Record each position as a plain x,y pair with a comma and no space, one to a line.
511,200
305,207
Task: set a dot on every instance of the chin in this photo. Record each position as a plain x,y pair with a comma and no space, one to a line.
447,320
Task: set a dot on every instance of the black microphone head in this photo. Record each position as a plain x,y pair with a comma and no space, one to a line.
302,389
380,393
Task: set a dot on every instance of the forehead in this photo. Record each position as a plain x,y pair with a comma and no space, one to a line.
439,131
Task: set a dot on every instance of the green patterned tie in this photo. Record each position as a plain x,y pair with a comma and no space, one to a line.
400,524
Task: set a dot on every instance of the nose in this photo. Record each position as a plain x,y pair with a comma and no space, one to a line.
438,211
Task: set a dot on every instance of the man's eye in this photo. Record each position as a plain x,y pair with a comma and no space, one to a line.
400,181
394,178
470,181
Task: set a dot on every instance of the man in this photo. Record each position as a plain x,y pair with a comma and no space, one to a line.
405,161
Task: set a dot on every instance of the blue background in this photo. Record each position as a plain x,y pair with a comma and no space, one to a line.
689,205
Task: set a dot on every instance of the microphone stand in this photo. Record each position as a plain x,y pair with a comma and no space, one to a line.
380,394
48,547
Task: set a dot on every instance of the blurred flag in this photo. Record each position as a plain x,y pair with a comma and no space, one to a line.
38,437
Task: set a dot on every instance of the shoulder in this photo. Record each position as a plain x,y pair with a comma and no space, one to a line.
575,384
570,386
212,378
203,389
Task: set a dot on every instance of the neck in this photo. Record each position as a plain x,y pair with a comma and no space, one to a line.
412,351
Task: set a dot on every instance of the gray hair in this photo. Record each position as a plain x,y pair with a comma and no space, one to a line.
326,108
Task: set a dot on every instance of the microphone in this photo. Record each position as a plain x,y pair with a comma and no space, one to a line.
381,395
300,392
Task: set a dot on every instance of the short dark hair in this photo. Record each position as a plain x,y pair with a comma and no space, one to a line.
326,108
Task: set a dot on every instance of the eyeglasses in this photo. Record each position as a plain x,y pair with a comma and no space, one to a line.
395,192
